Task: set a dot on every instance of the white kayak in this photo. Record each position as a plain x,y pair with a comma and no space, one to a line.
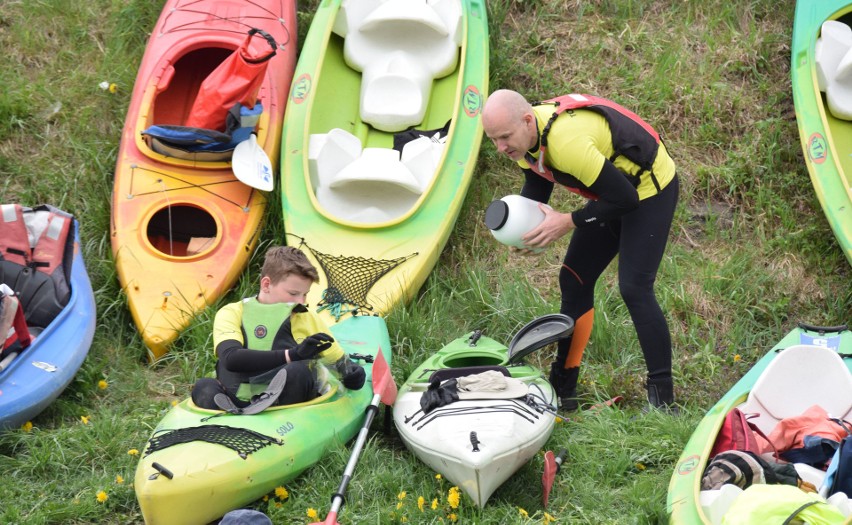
482,439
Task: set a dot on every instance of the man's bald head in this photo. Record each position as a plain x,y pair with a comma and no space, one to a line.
508,120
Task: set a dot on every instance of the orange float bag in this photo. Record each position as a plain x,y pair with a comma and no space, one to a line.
236,80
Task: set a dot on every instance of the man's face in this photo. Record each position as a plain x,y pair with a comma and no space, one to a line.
511,136
291,289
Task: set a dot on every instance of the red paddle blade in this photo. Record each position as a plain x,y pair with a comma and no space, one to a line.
383,384
548,476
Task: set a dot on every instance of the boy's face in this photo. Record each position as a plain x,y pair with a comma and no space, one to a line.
291,289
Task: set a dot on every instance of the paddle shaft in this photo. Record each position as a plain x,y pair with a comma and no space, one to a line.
339,499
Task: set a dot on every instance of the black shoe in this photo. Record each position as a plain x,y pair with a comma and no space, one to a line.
564,381
661,396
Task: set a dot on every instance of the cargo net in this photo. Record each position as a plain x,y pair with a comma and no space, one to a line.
349,281
240,440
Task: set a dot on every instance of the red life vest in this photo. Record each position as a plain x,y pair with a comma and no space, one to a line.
632,137
38,274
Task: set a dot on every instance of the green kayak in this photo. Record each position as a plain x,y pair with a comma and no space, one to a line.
818,78
371,77
809,358
199,464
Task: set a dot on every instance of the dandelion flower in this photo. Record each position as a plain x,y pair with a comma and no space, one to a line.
84,419
27,427
282,493
453,497
640,466
312,514
133,452
401,495
547,518
102,384
434,503
452,516
277,504
737,358
559,419
438,477
119,479
399,505
174,402
420,502
113,88
102,496
266,497
523,513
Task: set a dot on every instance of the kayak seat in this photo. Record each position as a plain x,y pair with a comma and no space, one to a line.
368,185
833,60
799,377
399,46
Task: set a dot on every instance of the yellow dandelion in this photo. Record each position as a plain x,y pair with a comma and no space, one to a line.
174,402
133,452
640,466
403,519
113,88
434,504
266,497
737,358
523,513
282,493
401,495
102,496
399,505
278,504
438,477
119,479
312,514
547,518
27,427
453,497
420,502
559,419
102,384
452,517
84,419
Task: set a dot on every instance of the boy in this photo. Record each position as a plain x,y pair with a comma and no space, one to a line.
268,346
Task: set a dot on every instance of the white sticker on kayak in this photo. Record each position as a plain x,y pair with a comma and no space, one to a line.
47,367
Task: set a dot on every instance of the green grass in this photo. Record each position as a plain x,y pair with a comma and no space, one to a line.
750,255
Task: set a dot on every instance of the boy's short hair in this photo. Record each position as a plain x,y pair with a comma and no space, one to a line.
281,261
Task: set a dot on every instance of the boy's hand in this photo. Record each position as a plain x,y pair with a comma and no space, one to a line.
354,378
311,346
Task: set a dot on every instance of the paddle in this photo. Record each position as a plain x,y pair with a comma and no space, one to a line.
251,165
552,464
384,390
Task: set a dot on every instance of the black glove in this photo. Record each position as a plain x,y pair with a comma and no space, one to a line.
354,377
311,346
439,395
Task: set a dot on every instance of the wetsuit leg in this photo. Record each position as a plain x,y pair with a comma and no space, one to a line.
644,234
300,385
206,388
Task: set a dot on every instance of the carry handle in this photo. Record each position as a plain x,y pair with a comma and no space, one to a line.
269,40
823,329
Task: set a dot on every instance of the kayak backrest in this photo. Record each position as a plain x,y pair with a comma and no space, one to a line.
833,61
452,373
400,47
369,185
799,377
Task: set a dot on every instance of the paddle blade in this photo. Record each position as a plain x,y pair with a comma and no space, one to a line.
251,165
383,384
331,519
551,467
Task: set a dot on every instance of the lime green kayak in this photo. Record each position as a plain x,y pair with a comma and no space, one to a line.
806,357
199,464
826,139
375,219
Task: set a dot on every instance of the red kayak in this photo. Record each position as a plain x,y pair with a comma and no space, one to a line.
183,226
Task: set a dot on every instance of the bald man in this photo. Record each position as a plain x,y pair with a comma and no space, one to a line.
606,153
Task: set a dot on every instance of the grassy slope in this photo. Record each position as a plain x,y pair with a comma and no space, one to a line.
750,253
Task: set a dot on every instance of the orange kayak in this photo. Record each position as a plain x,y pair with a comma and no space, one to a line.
182,229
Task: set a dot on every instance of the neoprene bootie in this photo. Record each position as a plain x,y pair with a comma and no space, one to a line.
661,395
564,381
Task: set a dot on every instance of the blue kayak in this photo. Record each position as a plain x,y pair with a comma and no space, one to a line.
37,376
